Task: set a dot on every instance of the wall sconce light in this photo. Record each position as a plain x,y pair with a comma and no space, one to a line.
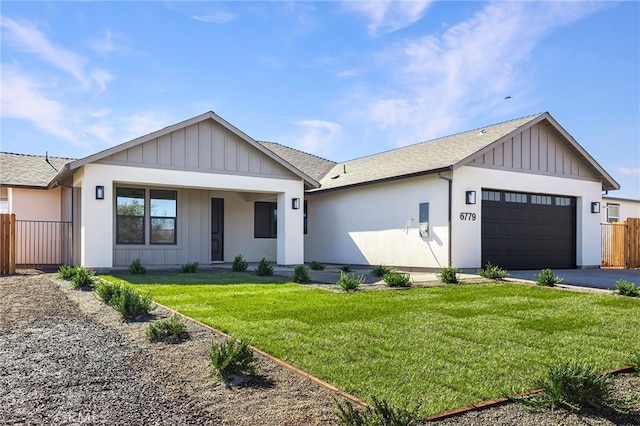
295,203
99,192
470,197
595,207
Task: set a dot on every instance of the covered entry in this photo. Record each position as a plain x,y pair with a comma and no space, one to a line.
528,231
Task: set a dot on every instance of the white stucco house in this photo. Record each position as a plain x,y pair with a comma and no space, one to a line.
616,209
518,194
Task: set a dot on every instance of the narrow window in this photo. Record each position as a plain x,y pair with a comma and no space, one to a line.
514,197
163,216
490,195
265,220
304,218
129,216
613,212
563,201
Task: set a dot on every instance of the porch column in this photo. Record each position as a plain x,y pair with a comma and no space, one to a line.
96,220
290,245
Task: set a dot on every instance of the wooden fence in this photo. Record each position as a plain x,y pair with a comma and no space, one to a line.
7,244
621,244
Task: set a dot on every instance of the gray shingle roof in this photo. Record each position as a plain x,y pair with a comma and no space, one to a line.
313,166
420,158
28,170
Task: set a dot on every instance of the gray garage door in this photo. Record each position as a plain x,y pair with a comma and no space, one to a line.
528,231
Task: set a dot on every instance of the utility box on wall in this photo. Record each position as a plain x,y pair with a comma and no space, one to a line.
423,221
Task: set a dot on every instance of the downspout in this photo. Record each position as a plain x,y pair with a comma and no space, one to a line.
450,180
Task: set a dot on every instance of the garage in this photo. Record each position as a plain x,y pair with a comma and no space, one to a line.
528,231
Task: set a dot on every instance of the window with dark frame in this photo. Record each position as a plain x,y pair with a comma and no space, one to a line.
130,212
163,216
304,218
265,220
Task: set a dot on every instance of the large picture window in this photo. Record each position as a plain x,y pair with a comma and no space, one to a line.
163,215
265,220
130,211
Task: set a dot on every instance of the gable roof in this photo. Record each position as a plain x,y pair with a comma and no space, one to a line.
29,171
446,153
309,182
311,165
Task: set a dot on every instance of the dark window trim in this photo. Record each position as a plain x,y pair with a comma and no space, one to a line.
305,218
118,216
272,219
175,219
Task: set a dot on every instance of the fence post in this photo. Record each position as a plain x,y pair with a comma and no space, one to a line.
7,244
632,243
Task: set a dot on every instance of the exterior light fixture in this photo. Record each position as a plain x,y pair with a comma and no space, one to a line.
295,203
595,207
99,192
470,197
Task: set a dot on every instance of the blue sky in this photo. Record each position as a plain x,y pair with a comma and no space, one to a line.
338,79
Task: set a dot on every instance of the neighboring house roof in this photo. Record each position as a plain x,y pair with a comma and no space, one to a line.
312,165
309,182
442,154
29,171
630,200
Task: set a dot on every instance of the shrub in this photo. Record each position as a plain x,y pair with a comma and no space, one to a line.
106,291
83,278
301,274
189,268
66,272
349,282
171,330
232,356
264,268
380,413
547,278
492,272
316,266
397,279
346,268
574,385
131,304
381,270
239,264
626,288
135,268
448,275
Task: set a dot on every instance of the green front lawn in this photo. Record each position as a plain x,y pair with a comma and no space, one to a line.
445,346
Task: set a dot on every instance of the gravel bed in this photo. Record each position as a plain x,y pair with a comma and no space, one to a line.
65,358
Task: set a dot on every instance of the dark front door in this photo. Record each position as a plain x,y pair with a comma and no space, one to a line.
217,229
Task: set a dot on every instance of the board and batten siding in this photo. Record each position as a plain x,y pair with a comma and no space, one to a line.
204,147
539,149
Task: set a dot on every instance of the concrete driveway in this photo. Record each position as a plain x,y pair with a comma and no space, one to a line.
592,278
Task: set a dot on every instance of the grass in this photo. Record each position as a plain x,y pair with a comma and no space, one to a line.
444,347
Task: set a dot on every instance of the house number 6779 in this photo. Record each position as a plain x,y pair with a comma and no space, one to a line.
467,216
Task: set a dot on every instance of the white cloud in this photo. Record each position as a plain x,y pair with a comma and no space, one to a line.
216,17
629,171
318,136
467,70
348,73
105,45
141,124
389,15
101,77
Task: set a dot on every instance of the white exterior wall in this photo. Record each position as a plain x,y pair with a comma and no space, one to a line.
467,234
97,216
628,208
378,224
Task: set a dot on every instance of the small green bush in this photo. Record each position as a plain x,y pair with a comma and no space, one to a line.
232,356
107,290
626,288
135,268
189,268
301,274
573,385
381,270
171,330
66,272
316,266
264,268
449,275
239,264
131,304
380,413
492,272
397,279
547,278
346,268
349,282
83,278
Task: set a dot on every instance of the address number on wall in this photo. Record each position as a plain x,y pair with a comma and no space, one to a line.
467,216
